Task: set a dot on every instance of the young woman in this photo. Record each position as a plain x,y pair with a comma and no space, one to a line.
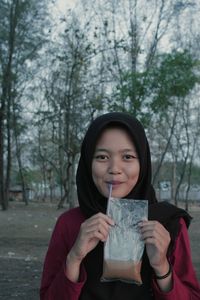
115,151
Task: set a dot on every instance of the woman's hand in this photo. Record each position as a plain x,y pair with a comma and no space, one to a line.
157,240
92,231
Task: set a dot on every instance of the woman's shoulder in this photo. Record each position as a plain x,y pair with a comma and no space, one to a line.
73,215
68,224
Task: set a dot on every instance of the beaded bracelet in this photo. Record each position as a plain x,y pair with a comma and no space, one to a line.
166,275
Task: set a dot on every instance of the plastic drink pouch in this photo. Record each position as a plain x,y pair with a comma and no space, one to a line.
124,248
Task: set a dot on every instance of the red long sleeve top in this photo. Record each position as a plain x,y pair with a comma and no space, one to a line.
56,286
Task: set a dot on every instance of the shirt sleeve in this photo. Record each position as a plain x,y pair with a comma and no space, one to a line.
185,284
54,284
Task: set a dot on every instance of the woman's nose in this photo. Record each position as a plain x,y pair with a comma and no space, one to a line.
114,167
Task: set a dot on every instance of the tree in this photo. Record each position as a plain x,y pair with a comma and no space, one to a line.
170,84
69,105
20,41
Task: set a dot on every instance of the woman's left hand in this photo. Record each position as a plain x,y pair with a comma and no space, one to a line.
157,240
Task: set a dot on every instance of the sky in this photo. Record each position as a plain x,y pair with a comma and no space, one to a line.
65,4
59,9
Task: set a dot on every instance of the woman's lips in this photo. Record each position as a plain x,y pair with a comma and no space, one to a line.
115,183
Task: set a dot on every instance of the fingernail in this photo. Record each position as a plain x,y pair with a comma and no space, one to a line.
112,222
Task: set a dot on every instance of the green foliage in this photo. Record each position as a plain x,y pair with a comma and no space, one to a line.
133,87
173,75
130,94
153,91
30,177
19,33
195,174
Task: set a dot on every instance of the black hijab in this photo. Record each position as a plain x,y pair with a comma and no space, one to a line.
90,200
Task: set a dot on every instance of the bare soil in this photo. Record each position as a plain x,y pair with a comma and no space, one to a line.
24,235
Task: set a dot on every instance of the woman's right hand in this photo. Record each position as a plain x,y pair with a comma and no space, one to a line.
92,231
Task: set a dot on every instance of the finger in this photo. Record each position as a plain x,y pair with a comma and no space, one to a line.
99,218
106,218
102,228
154,233
97,223
159,248
96,234
150,225
160,244
93,225
155,229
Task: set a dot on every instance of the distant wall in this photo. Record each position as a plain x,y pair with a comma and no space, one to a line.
165,193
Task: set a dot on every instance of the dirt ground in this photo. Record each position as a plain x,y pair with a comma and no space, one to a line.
24,237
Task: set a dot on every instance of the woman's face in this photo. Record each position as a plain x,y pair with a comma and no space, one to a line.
115,162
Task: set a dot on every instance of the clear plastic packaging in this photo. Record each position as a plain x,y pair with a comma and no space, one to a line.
124,248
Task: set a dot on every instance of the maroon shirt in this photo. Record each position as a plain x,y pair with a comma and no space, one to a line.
56,286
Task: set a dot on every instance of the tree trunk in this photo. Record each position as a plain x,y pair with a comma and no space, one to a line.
174,182
156,173
25,200
9,158
5,104
190,171
66,187
3,203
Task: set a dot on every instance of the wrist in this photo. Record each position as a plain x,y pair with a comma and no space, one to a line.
164,275
72,259
72,269
162,269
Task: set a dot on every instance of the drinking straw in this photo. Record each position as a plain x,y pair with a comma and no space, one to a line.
110,190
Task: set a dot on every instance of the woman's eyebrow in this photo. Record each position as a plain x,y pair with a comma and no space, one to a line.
121,151
101,150
128,150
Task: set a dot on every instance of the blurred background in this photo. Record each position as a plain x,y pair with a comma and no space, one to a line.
62,63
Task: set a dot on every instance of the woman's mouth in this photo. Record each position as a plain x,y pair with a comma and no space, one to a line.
115,183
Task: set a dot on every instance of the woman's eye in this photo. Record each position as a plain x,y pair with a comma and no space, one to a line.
129,156
101,157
